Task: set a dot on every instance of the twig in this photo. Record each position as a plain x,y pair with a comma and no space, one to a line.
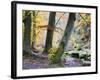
37,13
83,19
59,18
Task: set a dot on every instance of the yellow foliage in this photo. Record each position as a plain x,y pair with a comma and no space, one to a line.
40,21
86,19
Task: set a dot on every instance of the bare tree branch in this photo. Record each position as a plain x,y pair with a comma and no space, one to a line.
83,19
59,18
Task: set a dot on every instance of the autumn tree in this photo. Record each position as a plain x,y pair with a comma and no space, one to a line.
82,31
65,38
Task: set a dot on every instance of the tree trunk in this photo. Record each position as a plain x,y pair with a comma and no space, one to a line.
27,25
27,49
65,38
49,37
33,25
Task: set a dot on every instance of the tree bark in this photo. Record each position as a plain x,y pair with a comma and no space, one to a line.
27,49
49,37
65,38
27,25
33,24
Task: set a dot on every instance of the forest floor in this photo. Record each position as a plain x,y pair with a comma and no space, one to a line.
33,62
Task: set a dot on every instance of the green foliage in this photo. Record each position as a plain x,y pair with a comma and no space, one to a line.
52,50
60,52
52,54
86,57
65,53
55,54
77,46
82,31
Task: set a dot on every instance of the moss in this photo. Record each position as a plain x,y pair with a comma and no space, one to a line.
55,54
52,54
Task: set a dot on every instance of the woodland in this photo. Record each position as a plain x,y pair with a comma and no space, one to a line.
56,39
